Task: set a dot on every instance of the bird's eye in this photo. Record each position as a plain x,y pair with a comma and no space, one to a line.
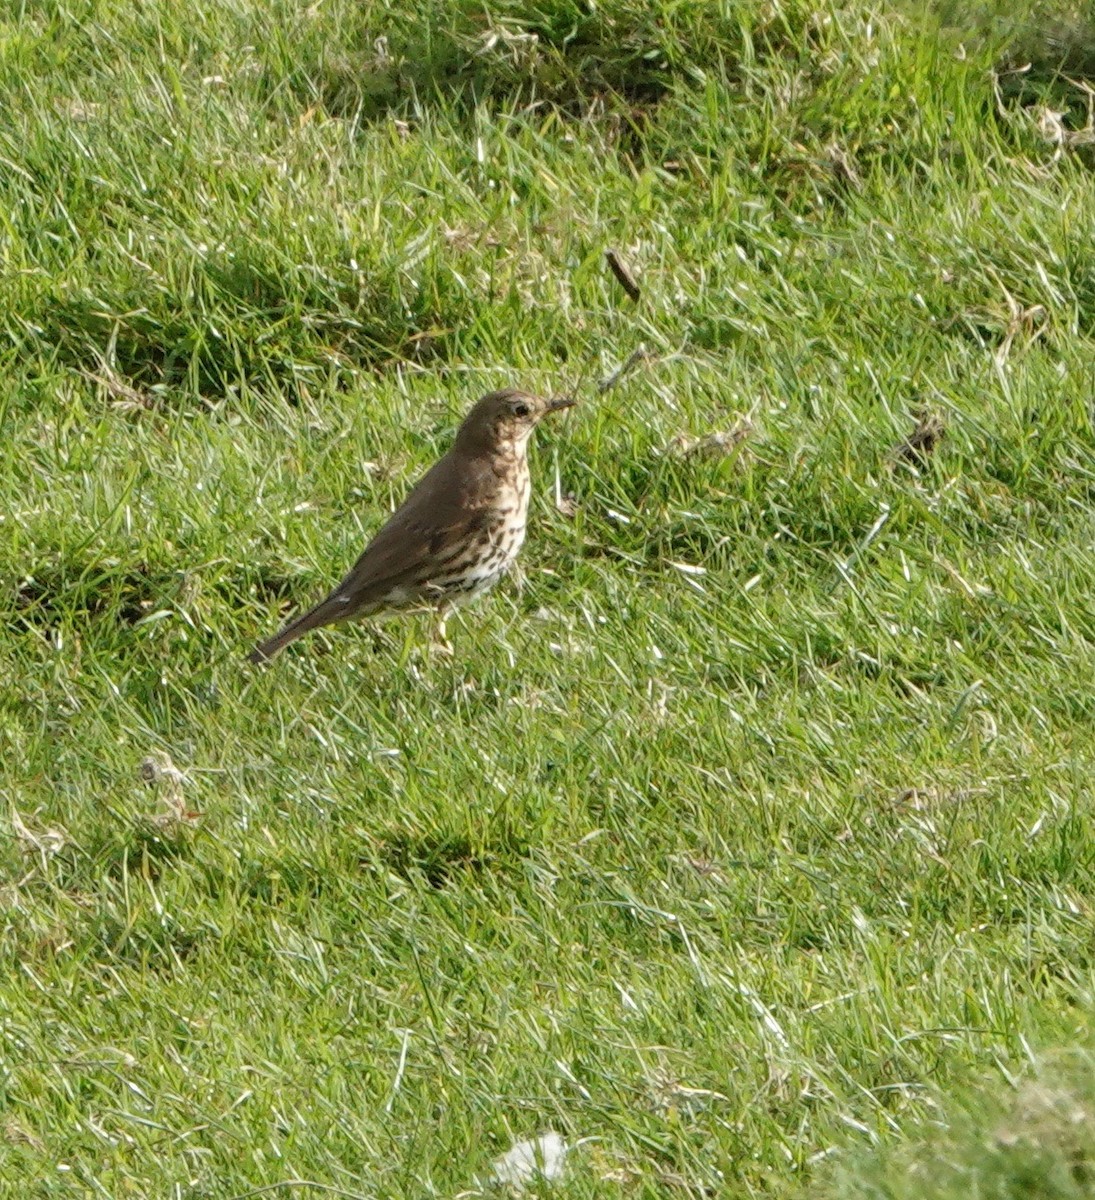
521,410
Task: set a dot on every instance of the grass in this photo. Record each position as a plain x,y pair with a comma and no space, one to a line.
747,835
1036,1141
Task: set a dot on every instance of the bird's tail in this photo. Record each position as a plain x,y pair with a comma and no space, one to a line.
325,613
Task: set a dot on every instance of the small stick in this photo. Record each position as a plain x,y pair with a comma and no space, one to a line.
623,274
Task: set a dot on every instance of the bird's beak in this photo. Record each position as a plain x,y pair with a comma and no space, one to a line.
559,403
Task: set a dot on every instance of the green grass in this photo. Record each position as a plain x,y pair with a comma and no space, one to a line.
747,835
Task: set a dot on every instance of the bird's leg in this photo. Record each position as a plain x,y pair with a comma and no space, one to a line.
439,642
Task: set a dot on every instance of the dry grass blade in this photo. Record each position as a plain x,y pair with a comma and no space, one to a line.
711,445
122,395
636,356
43,842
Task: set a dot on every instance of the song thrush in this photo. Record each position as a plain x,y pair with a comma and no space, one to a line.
457,532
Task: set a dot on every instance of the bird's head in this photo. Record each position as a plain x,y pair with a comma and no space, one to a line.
502,421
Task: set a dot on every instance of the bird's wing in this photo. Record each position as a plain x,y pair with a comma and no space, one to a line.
448,507
450,504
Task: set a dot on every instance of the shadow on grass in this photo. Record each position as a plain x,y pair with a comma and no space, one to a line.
248,319
442,856
562,52
64,589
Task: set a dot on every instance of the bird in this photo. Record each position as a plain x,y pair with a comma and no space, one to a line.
455,535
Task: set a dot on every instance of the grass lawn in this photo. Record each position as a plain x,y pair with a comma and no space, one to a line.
745,842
